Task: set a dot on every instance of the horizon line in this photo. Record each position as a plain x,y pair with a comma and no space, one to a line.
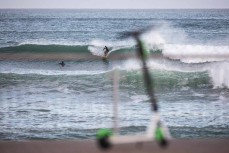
119,8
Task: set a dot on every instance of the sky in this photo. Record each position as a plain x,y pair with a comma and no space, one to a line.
115,4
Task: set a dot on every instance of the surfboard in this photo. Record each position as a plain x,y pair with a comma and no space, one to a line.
105,56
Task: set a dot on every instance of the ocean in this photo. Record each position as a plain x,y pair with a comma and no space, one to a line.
39,99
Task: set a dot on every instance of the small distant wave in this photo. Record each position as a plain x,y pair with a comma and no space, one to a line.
48,72
35,48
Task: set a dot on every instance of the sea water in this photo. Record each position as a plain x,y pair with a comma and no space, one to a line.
39,99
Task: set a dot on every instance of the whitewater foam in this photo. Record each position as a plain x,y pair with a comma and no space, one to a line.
166,64
139,98
181,48
48,72
51,42
219,73
196,53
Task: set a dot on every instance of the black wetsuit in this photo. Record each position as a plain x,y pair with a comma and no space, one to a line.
106,50
62,63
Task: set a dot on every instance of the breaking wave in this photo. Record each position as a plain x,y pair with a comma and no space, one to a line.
190,53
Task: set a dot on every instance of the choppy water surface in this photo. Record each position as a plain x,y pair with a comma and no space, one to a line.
41,100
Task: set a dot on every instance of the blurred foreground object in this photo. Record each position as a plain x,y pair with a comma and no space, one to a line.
156,130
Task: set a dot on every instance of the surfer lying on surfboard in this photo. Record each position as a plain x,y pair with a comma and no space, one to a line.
106,51
62,63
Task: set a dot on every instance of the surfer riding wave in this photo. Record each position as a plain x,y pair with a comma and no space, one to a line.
106,51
